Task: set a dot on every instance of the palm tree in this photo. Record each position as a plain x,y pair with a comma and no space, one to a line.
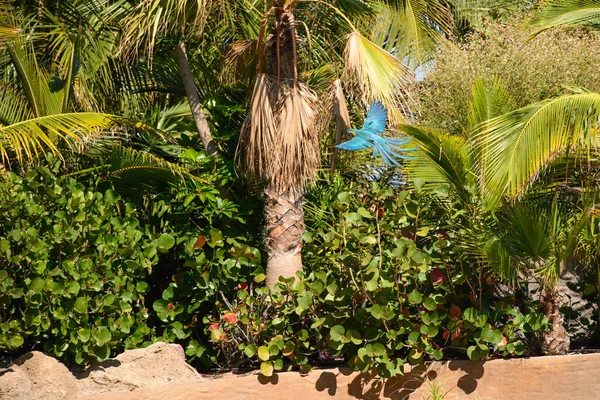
178,22
512,229
43,87
297,40
569,14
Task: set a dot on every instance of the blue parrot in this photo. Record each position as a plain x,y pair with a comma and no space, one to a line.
369,136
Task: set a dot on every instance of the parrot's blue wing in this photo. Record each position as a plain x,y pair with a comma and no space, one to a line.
356,143
390,150
376,118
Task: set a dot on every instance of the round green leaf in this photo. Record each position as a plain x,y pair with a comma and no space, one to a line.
266,368
36,285
102,336
337,332
429,303
476,353
250,350
101,352
83,334
263,353
415,297
16,341
165,242
81,305
142,287
278,364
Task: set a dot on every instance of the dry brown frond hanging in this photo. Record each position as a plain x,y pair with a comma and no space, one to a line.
338,109
297,142
239,62
257,140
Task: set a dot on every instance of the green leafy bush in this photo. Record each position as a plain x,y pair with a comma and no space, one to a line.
73,263
383,286
86,273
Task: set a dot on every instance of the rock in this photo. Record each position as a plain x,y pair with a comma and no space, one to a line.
14,384
37,376
158,364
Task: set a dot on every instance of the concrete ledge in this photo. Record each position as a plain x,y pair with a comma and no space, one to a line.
570,377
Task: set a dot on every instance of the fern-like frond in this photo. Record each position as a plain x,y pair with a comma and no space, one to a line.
441,159
27,139
377,74
135,171
568,14
519,145
412,29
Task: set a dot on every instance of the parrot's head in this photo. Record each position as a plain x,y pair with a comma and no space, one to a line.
350,131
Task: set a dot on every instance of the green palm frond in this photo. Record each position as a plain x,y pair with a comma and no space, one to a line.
489,101
377,73
568,14
14,106
412,29
441,159
150,19
27,139
135,171
519,145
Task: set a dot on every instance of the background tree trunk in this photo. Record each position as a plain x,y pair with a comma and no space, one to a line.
194,100
556,340
284,217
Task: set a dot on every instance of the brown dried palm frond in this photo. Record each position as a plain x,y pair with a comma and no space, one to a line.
239,62
376,74
257,139
297,140
339,111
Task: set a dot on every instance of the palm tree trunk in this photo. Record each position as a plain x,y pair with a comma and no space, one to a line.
194,100
556,340
284,227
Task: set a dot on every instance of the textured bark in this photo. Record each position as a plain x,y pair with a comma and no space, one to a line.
284,227
194,100
556,340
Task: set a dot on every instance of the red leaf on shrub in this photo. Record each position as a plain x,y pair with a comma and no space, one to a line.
200,241
242,286
405,312
437,276
442,235
230,317
213,327
503,342
170,306
455,311
445,335
457,334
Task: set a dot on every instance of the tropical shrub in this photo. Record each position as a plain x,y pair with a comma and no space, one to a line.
383,286
86,273
73,267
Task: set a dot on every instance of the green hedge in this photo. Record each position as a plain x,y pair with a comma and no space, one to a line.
85,273
383,286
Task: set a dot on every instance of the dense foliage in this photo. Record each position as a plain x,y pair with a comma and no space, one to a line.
131,231
86,272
